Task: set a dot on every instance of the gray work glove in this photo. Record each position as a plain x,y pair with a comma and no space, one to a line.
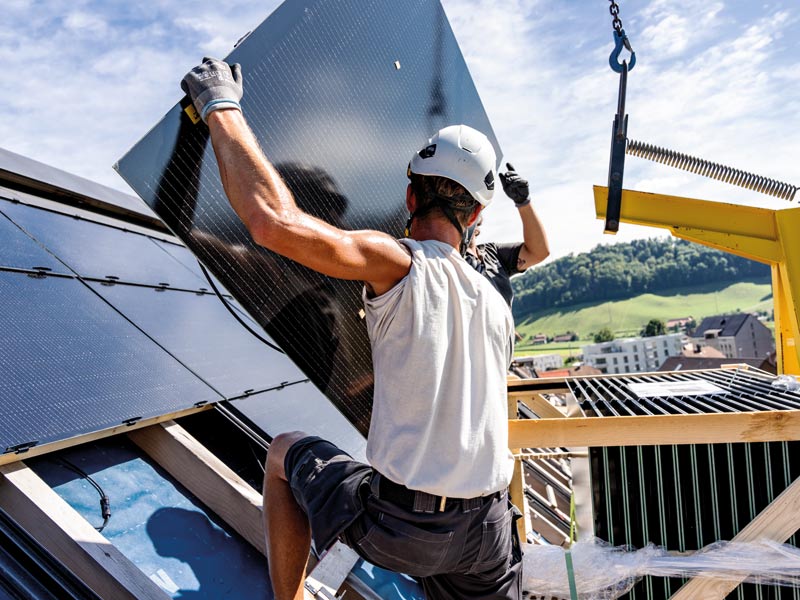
515,187
213,85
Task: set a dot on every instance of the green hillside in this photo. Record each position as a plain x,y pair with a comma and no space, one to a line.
628,317
612,273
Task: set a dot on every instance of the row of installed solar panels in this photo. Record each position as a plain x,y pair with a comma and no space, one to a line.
106,322
111,327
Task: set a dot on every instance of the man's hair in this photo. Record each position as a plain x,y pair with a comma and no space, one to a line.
429,188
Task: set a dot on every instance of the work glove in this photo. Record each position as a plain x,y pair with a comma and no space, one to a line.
213,85
515,187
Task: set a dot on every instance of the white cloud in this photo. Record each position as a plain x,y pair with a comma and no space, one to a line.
84,22
677,27
97,74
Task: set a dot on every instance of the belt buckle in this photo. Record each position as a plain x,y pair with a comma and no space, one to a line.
442,503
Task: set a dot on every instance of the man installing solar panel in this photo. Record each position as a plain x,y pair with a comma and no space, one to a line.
432,503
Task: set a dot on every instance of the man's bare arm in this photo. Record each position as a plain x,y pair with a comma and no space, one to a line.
266,206
535,247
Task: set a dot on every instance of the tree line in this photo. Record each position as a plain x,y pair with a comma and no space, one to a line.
614,272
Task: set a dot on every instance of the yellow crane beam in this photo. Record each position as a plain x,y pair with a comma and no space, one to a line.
761,234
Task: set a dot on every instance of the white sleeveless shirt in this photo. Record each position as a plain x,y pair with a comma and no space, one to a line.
442,340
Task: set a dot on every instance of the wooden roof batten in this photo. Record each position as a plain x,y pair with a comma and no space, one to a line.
656,430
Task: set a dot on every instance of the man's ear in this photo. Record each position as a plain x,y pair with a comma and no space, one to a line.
474,216
411,199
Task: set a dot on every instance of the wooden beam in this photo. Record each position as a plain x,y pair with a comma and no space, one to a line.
516,490
549,385
538,404
207,477
778,522
12,457
70,538
656,430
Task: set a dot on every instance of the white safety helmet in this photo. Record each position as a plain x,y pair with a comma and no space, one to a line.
462,154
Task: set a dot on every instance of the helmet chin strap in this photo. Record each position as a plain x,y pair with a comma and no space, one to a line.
443,203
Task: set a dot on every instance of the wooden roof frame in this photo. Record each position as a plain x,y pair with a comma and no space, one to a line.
555,429
96,561
655,430
85,551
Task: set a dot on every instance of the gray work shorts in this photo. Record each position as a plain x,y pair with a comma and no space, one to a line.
468,550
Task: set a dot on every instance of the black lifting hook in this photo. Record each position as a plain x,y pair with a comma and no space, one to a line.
619,134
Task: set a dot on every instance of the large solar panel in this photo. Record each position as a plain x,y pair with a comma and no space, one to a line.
70,364
340,94
98,251
25,173
200,332
20,251
302,407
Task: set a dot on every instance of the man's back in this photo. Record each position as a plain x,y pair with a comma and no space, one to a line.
441,344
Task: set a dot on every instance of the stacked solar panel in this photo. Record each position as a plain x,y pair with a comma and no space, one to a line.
685,497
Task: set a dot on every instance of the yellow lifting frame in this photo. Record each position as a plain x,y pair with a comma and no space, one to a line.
761,234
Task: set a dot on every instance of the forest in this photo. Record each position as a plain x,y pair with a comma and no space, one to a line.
624,270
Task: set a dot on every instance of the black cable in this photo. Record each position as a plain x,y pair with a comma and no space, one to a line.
233,312
105,504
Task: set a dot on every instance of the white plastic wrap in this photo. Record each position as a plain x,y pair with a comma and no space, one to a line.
603,572
786,382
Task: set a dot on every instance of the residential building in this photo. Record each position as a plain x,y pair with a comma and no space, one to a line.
541,362
692,350
539,338
633,355
739,335
679,323
564,337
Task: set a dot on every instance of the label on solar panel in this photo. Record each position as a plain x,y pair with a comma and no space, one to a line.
669,389
340,94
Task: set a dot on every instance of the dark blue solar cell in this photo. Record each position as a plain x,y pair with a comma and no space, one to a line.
340,95
303,407
70,364
19,251
100,251
200,332
184,256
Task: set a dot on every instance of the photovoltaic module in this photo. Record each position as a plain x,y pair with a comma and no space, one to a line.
340,94
684,497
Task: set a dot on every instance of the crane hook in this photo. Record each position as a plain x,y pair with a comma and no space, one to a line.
620,41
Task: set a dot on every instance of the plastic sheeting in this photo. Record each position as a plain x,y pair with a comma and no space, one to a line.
603,572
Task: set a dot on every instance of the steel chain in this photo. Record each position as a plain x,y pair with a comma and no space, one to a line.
617,22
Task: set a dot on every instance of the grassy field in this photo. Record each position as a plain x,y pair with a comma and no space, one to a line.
628,317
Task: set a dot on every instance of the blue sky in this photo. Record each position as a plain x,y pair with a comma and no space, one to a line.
716,79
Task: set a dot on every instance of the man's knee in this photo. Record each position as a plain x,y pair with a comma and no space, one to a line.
277,451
